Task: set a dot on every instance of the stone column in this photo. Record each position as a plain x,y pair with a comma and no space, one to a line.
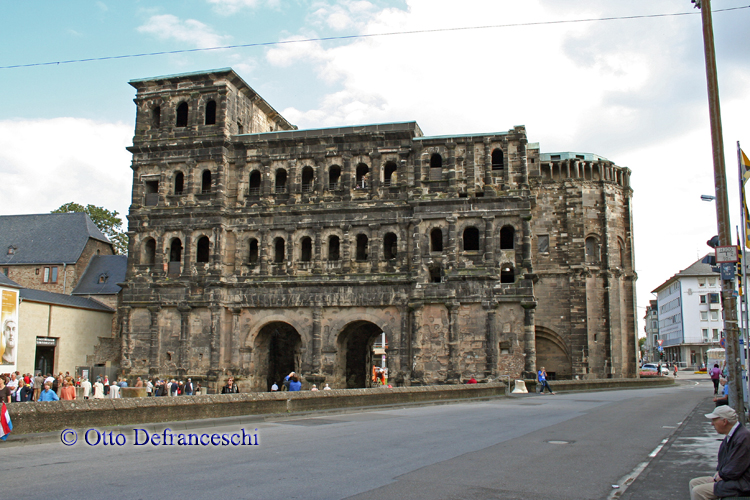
375,244
346,264
524,166
267,182
492,345
413,349
263,250
489,241
154,343
529,339
317,260
346,177
526,245
403,171
376,166
317,340
215,336
126,345
487,163
184,352
186,250
235,336
452,246
452,176
321,179
293,182
453,342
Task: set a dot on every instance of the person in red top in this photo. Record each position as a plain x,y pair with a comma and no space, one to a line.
715,373
68,391
472,380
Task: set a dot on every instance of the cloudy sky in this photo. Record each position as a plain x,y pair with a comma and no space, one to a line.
631,90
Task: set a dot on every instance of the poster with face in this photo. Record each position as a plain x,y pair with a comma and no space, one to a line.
9,332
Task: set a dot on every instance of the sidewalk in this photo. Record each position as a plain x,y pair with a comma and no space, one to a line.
691,451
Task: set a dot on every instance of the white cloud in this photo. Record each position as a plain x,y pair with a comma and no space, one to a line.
342,15
191,31
232,6
82,161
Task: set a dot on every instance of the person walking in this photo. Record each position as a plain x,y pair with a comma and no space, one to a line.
715,374
542,376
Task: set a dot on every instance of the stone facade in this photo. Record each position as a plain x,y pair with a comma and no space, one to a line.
257,249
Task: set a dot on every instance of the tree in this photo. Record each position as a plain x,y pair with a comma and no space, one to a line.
108,223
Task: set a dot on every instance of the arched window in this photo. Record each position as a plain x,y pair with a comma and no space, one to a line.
278,246
436,240
390,246
156,117
592,249
507,238
333,248
362,176
254,183
436,161
175,250
281,181
179,183
389,174
497,159
308,177
334,176
202,250
305,254
621,254
361,247
252,256
149,252
206,182
211,113
507,274
182,115
471,239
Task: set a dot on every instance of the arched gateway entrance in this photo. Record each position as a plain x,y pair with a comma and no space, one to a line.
277,353
355,353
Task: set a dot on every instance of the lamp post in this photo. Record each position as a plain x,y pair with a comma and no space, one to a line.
729,303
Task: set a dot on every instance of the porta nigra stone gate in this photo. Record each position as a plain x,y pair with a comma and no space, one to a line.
257,249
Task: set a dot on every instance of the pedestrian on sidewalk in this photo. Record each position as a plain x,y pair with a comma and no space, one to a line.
715,374
542,376
732,476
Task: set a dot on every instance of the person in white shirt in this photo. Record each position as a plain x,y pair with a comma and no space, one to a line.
274,387
114,390
98,389
86,386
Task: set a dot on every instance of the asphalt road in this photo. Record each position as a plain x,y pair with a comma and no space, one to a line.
566,446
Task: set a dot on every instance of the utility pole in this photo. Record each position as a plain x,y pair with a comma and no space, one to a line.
729,302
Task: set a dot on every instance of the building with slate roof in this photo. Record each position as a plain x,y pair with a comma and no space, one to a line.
257,249
689,312
49,252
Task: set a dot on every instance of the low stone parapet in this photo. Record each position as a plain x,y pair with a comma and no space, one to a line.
79,414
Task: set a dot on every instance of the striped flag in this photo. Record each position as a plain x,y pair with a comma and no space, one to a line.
5,424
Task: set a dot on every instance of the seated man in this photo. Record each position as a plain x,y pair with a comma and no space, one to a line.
732,476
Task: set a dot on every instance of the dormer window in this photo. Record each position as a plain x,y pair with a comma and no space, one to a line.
103,278
12,250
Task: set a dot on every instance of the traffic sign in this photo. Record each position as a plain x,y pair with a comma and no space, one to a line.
726,254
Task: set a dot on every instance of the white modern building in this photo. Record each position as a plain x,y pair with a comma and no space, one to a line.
651,322
689,312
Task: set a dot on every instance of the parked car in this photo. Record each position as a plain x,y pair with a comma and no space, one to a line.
652,367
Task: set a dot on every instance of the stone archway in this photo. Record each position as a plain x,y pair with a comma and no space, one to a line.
552,354
276,350
355,354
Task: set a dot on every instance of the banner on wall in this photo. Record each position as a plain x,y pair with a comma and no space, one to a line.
9,331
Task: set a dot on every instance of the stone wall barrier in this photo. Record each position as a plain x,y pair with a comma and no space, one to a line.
83,414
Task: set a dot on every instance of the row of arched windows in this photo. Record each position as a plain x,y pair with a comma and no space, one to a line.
182,115
497,158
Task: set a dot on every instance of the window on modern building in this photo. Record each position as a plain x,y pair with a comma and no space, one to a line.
497,159
704,315
436,274
705,334
211,113
361,247
305,249
334,176
333,248
363,176
507,274
436,240
308,178
703,299
715,335
252,256
714,315
280,181
179,183
542,243
279,247
50,274
471,239
206,182
592,250
701,282
507,238
182,115
149,252
389,174
711,281
390,246
175,250
254,183
156,117
202,249
713,298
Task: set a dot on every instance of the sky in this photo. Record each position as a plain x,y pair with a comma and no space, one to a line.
631,90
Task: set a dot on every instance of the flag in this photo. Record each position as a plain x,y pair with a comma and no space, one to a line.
745,172
740,264
5,424
744,167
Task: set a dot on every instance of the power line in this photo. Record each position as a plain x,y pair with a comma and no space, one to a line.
372,35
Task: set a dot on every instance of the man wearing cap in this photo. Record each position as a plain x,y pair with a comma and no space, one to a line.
732,476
